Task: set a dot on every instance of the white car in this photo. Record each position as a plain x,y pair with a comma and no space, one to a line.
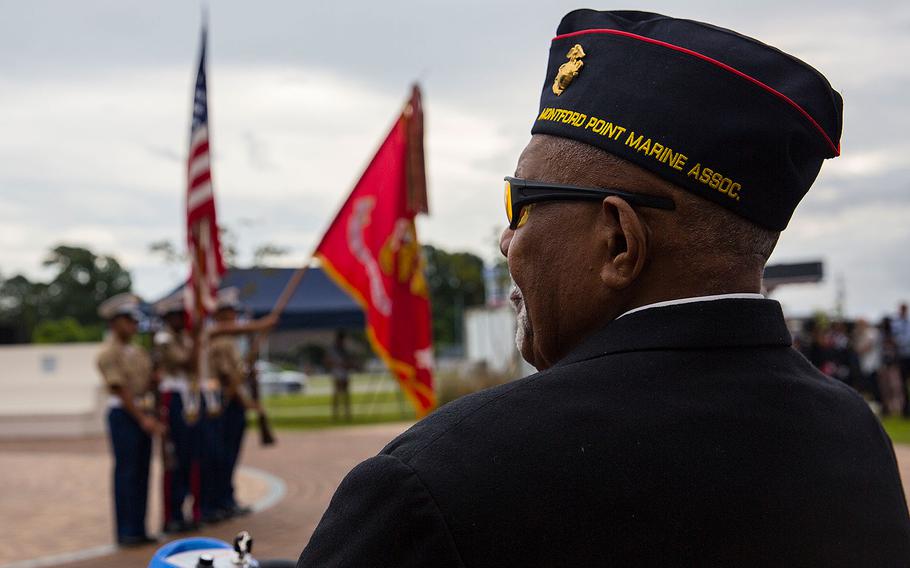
275,380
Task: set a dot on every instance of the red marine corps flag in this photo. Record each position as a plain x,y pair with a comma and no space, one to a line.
206,264
371,251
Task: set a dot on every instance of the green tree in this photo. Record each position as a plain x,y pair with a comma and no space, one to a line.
456,282
228,239
66,330
166,250
265,251
82,282
20,307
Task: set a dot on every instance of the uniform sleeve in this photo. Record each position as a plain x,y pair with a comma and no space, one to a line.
111,369
381,516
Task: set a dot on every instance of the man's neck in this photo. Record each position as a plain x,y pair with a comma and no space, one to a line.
667,283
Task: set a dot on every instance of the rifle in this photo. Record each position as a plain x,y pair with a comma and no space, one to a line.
168,452
160,411
266,437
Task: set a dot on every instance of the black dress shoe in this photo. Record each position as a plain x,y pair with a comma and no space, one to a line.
215,517
132,541
174,527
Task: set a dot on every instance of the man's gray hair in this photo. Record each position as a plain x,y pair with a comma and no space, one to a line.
711,228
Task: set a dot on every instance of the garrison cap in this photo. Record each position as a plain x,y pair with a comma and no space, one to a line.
228,299
125,304
171,304
722,115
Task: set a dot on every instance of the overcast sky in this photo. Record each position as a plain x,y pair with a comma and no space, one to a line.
95,104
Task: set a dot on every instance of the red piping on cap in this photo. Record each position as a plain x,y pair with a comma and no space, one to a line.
778,94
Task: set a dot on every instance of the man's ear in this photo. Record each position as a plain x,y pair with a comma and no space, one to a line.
626,239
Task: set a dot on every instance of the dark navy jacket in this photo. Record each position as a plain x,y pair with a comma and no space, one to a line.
682,435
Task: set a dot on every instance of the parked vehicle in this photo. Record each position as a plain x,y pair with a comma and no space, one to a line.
274,380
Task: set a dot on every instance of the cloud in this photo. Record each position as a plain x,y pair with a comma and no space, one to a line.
863,245
257,152
117,186
165,153
95,100
874,162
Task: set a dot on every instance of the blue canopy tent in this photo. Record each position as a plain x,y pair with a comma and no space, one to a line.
316,304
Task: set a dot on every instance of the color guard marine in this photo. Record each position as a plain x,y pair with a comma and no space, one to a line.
175,355
127,373
204,403
228,369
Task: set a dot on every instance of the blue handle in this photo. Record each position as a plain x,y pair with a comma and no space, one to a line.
184,545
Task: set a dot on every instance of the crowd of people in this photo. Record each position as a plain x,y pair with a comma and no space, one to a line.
190,391
872,358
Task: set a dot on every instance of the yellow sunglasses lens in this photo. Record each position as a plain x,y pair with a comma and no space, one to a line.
523,216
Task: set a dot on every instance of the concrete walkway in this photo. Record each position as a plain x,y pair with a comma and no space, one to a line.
310,463
56,496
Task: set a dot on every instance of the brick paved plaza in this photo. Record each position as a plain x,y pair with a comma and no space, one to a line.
56,494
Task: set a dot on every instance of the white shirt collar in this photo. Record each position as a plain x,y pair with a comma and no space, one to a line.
695,299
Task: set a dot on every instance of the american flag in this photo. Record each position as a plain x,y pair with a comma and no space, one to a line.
206,263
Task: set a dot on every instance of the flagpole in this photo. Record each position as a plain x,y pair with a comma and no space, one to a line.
277,309
266,437
298,274
289,289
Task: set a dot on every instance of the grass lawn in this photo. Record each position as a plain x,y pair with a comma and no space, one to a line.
320,422
898,428
293,401
374,399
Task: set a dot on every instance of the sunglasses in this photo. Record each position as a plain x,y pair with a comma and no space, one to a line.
522,193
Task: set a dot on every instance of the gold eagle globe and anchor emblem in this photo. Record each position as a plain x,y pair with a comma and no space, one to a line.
568,70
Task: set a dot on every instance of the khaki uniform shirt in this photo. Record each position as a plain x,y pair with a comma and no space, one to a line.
174,353
127,366
225,362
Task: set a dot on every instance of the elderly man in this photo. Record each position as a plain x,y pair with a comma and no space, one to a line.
671,423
